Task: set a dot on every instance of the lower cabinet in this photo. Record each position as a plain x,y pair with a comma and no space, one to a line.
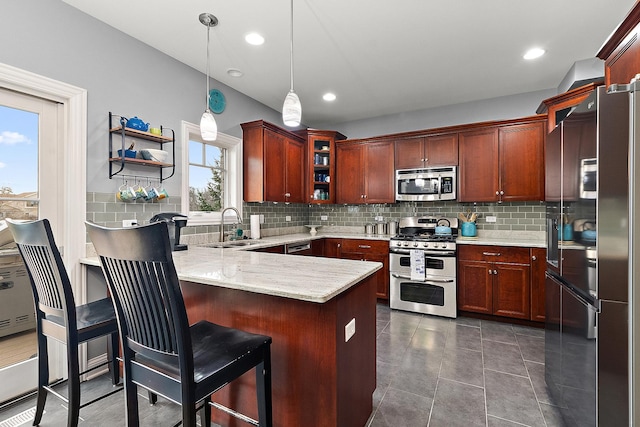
501,281
364,250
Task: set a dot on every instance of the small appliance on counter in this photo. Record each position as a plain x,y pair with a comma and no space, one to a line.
175,222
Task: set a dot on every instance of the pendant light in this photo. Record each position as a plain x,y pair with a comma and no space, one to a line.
208,126
292,109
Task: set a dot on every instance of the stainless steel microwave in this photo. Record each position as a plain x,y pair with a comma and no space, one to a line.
426,184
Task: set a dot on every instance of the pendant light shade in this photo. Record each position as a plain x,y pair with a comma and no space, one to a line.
208,125
292,108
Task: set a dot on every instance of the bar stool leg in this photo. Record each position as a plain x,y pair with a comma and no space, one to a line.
43,377
74,384
263,389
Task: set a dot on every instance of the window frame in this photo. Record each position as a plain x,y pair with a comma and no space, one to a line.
233,183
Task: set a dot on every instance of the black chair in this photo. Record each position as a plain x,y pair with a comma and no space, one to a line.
161,352
58,317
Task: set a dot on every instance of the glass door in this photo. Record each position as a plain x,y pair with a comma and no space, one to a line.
29,178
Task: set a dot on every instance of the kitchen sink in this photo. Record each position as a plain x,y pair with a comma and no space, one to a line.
230,244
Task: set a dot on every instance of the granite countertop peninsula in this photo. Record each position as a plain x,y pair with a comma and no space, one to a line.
312,279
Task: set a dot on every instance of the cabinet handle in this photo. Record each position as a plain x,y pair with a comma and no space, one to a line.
497,193
495,271
534,258
287,194
339,244
364,246
491,253
490,272
501,193
365,196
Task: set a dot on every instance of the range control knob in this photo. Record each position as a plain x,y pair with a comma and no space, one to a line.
425,244
405,244
415,244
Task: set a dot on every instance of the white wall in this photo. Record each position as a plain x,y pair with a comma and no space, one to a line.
121,75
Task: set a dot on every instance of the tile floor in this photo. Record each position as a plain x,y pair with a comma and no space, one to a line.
432,371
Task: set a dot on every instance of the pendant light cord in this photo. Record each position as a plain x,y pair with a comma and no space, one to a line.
207,97
291,53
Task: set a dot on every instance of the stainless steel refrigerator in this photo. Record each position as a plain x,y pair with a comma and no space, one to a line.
589,201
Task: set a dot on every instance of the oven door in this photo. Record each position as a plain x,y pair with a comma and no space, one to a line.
436,263
436,296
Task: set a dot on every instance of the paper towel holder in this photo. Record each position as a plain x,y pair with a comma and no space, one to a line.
255,221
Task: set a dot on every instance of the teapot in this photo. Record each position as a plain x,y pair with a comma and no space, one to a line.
137,124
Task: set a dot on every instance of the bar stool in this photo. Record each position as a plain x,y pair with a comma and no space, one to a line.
161,352
58,317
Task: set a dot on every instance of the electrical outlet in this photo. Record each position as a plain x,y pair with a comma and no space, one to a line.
324,217
287,218
379,218
491,218
350,330
129,222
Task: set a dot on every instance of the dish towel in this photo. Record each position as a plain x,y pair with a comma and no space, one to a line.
417,265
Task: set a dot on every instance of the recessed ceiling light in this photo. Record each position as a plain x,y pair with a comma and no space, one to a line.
254,39
329,96
534,53
234,72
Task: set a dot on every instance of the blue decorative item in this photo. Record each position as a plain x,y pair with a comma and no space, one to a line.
137,124
217,101
469,229
568,232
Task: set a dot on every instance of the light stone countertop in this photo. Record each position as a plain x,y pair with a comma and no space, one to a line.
305,278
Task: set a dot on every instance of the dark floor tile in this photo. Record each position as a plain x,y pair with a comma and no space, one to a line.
536,373
458,404
468,321
427,339
420,382
511,397
552,415
464,366
390,349
436,323
496,331
528,330
532,348
462,336
499,422
503,357
399,408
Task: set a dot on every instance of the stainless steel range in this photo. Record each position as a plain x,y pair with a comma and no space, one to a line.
422,266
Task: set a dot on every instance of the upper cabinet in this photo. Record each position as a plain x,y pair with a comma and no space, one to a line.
365,172
557,107
621,53
321,165
503,163
434,150
273,164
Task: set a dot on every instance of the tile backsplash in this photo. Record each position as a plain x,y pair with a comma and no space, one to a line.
282,218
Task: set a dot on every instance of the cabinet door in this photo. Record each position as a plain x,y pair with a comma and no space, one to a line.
441,150
349,173
538,267
511,290
382,275
409,153
521,159
474,287
275,158
379,177
294,172
479,178
332,248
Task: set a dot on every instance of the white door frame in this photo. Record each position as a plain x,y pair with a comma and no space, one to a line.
72,211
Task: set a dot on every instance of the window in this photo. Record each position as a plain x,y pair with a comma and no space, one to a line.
211,177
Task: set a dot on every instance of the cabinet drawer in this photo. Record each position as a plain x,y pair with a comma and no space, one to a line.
494,254
358,246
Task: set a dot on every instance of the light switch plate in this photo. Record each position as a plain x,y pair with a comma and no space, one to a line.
287,218
324,217
129,222
491,218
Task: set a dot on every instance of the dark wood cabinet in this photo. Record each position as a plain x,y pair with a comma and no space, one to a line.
621,52
363,250
478,174
273,164
495,280
538,268
434,150
502,164
321,165
278,249
365,172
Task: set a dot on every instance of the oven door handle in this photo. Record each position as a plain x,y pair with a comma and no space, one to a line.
427,253
401,276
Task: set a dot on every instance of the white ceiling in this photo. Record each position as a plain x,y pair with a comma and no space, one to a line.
378,56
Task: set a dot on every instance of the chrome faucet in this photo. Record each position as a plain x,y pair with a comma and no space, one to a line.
239,218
